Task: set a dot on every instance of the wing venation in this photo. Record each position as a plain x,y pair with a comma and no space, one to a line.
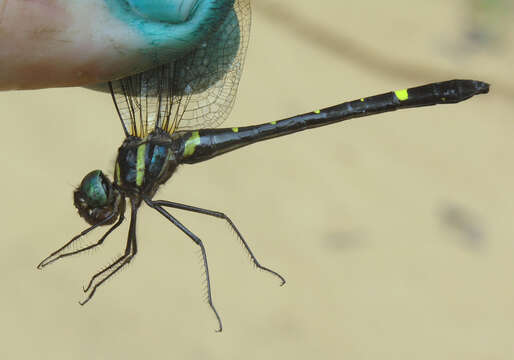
196,91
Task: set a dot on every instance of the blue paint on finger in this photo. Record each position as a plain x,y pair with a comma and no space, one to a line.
171,27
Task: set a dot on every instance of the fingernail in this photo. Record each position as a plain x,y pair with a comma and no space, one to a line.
171,11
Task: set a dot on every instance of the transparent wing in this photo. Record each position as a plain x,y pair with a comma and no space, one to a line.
197,91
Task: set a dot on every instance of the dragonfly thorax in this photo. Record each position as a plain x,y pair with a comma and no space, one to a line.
145,163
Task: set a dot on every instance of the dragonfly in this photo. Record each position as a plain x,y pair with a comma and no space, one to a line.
169,116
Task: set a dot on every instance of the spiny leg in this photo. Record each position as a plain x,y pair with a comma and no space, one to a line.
130,252
99,242
227,219
48,260
198,242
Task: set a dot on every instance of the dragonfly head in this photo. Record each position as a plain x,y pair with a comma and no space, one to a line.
97,200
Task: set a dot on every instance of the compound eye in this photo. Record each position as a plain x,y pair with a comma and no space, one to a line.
95,188
97,200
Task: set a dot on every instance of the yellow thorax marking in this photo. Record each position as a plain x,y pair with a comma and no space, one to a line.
140,164
192,143
117,173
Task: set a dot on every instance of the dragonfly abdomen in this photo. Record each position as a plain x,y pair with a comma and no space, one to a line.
200,145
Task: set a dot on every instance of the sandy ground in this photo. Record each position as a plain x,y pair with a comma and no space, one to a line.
395,233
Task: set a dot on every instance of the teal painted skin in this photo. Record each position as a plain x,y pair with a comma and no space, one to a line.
173,26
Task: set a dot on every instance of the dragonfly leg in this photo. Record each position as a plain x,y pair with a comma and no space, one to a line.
227,219
155,205
128,255
52,257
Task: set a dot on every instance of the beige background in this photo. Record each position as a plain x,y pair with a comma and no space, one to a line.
395,232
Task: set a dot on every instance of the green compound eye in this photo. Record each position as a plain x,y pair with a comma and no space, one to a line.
95,189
